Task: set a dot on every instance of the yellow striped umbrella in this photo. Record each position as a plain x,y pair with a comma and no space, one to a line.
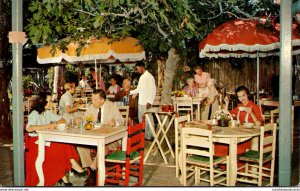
106,50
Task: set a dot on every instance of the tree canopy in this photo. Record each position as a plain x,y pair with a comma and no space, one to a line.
158,24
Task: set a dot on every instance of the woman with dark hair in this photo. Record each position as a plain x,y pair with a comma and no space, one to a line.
59,157
246,112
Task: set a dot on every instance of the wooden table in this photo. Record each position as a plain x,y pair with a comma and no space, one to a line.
160,135
230,136
96,137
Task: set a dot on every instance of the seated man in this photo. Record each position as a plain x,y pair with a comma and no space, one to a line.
132,102
106,113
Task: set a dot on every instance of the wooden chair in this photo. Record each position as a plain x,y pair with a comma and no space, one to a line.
124,110
257,159
184,104
87,93
274,115
81,100
179,124
78,93
28,103
129,163
198,150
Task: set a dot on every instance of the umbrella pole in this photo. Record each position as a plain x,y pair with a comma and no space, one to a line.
257,77
100,74
96,74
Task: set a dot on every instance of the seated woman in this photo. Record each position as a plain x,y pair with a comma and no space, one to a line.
114,87
250,114
59,157
211,102
191,88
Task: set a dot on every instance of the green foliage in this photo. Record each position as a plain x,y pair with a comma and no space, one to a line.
158,24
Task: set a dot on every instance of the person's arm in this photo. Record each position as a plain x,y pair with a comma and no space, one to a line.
51,126
73,109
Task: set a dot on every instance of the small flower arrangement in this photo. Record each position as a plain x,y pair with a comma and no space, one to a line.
89,118
223,117
179,93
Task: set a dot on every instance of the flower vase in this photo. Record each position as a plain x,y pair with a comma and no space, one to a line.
223,122
88,125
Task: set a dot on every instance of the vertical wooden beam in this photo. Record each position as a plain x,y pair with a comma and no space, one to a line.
285,94
18,116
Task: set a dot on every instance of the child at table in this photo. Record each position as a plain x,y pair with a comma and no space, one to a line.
59,157
250,114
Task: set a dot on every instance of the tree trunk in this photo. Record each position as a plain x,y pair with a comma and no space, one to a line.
169,73
59,81
5,119
5,75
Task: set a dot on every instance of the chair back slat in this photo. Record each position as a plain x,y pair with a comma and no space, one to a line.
124,110
136,137
184,104
197,139
268,139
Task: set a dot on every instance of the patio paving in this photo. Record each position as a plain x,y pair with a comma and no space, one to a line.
156,173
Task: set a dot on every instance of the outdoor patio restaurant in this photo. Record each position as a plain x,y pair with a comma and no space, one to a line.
104,111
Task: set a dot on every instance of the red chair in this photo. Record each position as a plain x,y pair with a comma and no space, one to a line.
129,163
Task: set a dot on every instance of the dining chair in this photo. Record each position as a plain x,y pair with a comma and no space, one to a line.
258,159
129,163
274,115
87,93
81,100
124,110
78,91
184,104
198,150
179,123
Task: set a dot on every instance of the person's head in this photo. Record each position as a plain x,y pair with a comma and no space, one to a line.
83,77
242,93
198,70
70,87
190,82
98,98
112,81
210,83
92,70
126,84
42,102
140,67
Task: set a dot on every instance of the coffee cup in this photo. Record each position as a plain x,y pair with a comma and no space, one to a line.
62,126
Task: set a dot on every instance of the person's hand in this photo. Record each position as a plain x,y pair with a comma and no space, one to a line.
53,126
134,96
148,105
111,122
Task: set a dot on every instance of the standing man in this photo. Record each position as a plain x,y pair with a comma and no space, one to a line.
147,90
83,83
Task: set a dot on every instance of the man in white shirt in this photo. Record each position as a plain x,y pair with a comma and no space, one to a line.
83,83
147,90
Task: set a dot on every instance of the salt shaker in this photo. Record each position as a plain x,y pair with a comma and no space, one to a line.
214,121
